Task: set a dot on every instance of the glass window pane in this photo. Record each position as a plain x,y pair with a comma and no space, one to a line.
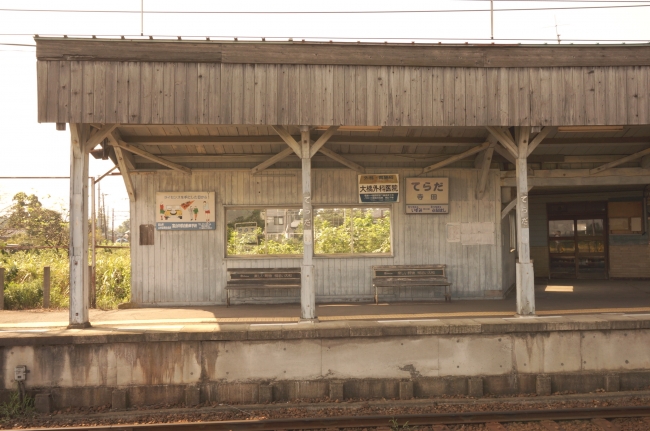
590,265
590,227
352,231
560,228
563,265
591,246
264,231
561,246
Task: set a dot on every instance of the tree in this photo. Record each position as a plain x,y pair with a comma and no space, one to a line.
37,225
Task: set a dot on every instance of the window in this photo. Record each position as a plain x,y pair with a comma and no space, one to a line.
360,230
264,231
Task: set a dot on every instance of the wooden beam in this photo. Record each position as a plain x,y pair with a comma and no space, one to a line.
291,158
272,160
455,158
505,154
99,136
322,140
505,139
645,162
581,177
135,150
620,161
125,171
342,160
486,161
539,138
511,205
288,139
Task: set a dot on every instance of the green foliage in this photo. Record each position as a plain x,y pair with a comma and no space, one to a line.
336,231
15,407
113,278
39,225
24,278
395,426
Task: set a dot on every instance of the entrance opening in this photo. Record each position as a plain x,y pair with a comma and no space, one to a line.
577,240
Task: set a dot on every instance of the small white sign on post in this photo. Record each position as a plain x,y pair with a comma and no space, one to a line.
427,195
185,211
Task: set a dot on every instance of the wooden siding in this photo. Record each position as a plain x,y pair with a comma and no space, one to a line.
268,94
188,267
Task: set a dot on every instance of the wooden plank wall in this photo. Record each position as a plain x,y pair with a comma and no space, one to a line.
188,267
213,93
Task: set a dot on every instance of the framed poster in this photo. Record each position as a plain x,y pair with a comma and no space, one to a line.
427,195
185,211
378,188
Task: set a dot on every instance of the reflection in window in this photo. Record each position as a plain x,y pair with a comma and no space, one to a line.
591,246
268,231
560,228
565,246
352,231
590,227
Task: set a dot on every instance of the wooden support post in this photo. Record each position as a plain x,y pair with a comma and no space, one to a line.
78,250
2,288
307,291
46,287
524,266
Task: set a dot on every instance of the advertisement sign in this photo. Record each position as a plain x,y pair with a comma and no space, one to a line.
185,211
379,188
427,195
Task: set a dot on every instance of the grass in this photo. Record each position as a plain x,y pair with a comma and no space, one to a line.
15,407
24,278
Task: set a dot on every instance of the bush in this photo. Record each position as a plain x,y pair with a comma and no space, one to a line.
24,278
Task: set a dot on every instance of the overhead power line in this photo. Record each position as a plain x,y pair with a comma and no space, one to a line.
324,12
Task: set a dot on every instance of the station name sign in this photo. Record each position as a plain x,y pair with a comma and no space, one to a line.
427,195
185,211
379,188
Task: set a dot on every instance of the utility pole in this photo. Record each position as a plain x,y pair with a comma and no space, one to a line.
141,17
492,19
113,226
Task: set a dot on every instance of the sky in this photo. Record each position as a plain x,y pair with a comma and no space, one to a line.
28,148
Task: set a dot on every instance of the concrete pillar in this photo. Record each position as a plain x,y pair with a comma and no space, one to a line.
265,394
336,390
612,383
118,399
308,291
78,250
192,396
543,385
475,387
405,390
524,266
43,403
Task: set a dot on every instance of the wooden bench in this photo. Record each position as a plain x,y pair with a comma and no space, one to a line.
432,276
261,278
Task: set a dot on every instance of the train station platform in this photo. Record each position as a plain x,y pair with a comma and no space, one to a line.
587,336
560,297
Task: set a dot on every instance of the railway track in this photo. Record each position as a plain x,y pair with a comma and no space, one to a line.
493,421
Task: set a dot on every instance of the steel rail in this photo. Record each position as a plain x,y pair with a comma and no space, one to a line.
379,420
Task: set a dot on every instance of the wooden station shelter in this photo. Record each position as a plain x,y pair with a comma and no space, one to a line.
544,153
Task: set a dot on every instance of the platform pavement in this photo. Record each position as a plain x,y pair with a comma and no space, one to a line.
564,298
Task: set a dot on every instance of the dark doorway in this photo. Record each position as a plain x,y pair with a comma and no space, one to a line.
577,239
